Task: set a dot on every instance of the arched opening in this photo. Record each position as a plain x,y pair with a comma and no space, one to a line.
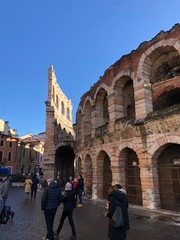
166,65
128,99
62,108
169,177
53,94
101,106
133,180
124,97
79,167
87,120
104,174
57,101
167,99
67,114
79,127
64,164
88,173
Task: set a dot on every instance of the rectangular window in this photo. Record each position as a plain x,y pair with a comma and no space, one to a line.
9,156
10,144
1,143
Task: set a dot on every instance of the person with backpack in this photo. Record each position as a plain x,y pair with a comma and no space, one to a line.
117,198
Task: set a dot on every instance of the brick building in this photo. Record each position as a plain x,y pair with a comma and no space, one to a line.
30,153
8,146
128,127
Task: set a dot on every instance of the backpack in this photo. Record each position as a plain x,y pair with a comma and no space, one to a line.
117,221
5,215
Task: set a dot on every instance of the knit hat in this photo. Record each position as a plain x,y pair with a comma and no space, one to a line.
68,186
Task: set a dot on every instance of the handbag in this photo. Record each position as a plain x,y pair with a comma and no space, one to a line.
5,214
117,221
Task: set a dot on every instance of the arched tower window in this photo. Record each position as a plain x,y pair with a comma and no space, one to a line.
67,114
62,108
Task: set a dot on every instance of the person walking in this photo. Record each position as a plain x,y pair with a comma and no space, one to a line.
27,186
75,187
35,182
69,204
5,185
80,189
117,197
51,199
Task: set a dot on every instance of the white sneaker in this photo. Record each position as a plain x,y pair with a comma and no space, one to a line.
45,238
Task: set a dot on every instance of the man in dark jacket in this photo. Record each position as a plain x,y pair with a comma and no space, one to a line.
69,204
35,182
50,201
80,189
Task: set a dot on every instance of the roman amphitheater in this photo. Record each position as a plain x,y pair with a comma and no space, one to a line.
127,127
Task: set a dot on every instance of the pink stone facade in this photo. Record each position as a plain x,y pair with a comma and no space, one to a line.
128,125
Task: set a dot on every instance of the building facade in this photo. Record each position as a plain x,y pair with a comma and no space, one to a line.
60,135
8,147
128,125
30,154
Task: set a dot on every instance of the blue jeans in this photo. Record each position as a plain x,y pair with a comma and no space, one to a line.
49,218
80,191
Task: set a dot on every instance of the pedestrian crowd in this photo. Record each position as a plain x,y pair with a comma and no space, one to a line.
70,198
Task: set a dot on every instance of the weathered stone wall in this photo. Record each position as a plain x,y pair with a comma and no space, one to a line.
59,127
132,90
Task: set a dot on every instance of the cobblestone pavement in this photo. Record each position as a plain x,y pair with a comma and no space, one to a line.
29,224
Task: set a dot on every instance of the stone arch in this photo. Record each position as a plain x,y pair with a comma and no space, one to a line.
152,54
104,174
64,163
151,61
101,107
57,101
158,146
62,108
53,93
102,85
79,124
167,97
129,162
123,93
79,166
67,113
154,151
87,110
168,176
88,172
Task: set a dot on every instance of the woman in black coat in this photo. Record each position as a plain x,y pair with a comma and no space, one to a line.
69,204
114,197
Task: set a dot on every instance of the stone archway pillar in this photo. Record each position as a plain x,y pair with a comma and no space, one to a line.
118,172
149,182
94,184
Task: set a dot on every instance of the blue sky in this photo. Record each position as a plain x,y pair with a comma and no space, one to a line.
80,38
